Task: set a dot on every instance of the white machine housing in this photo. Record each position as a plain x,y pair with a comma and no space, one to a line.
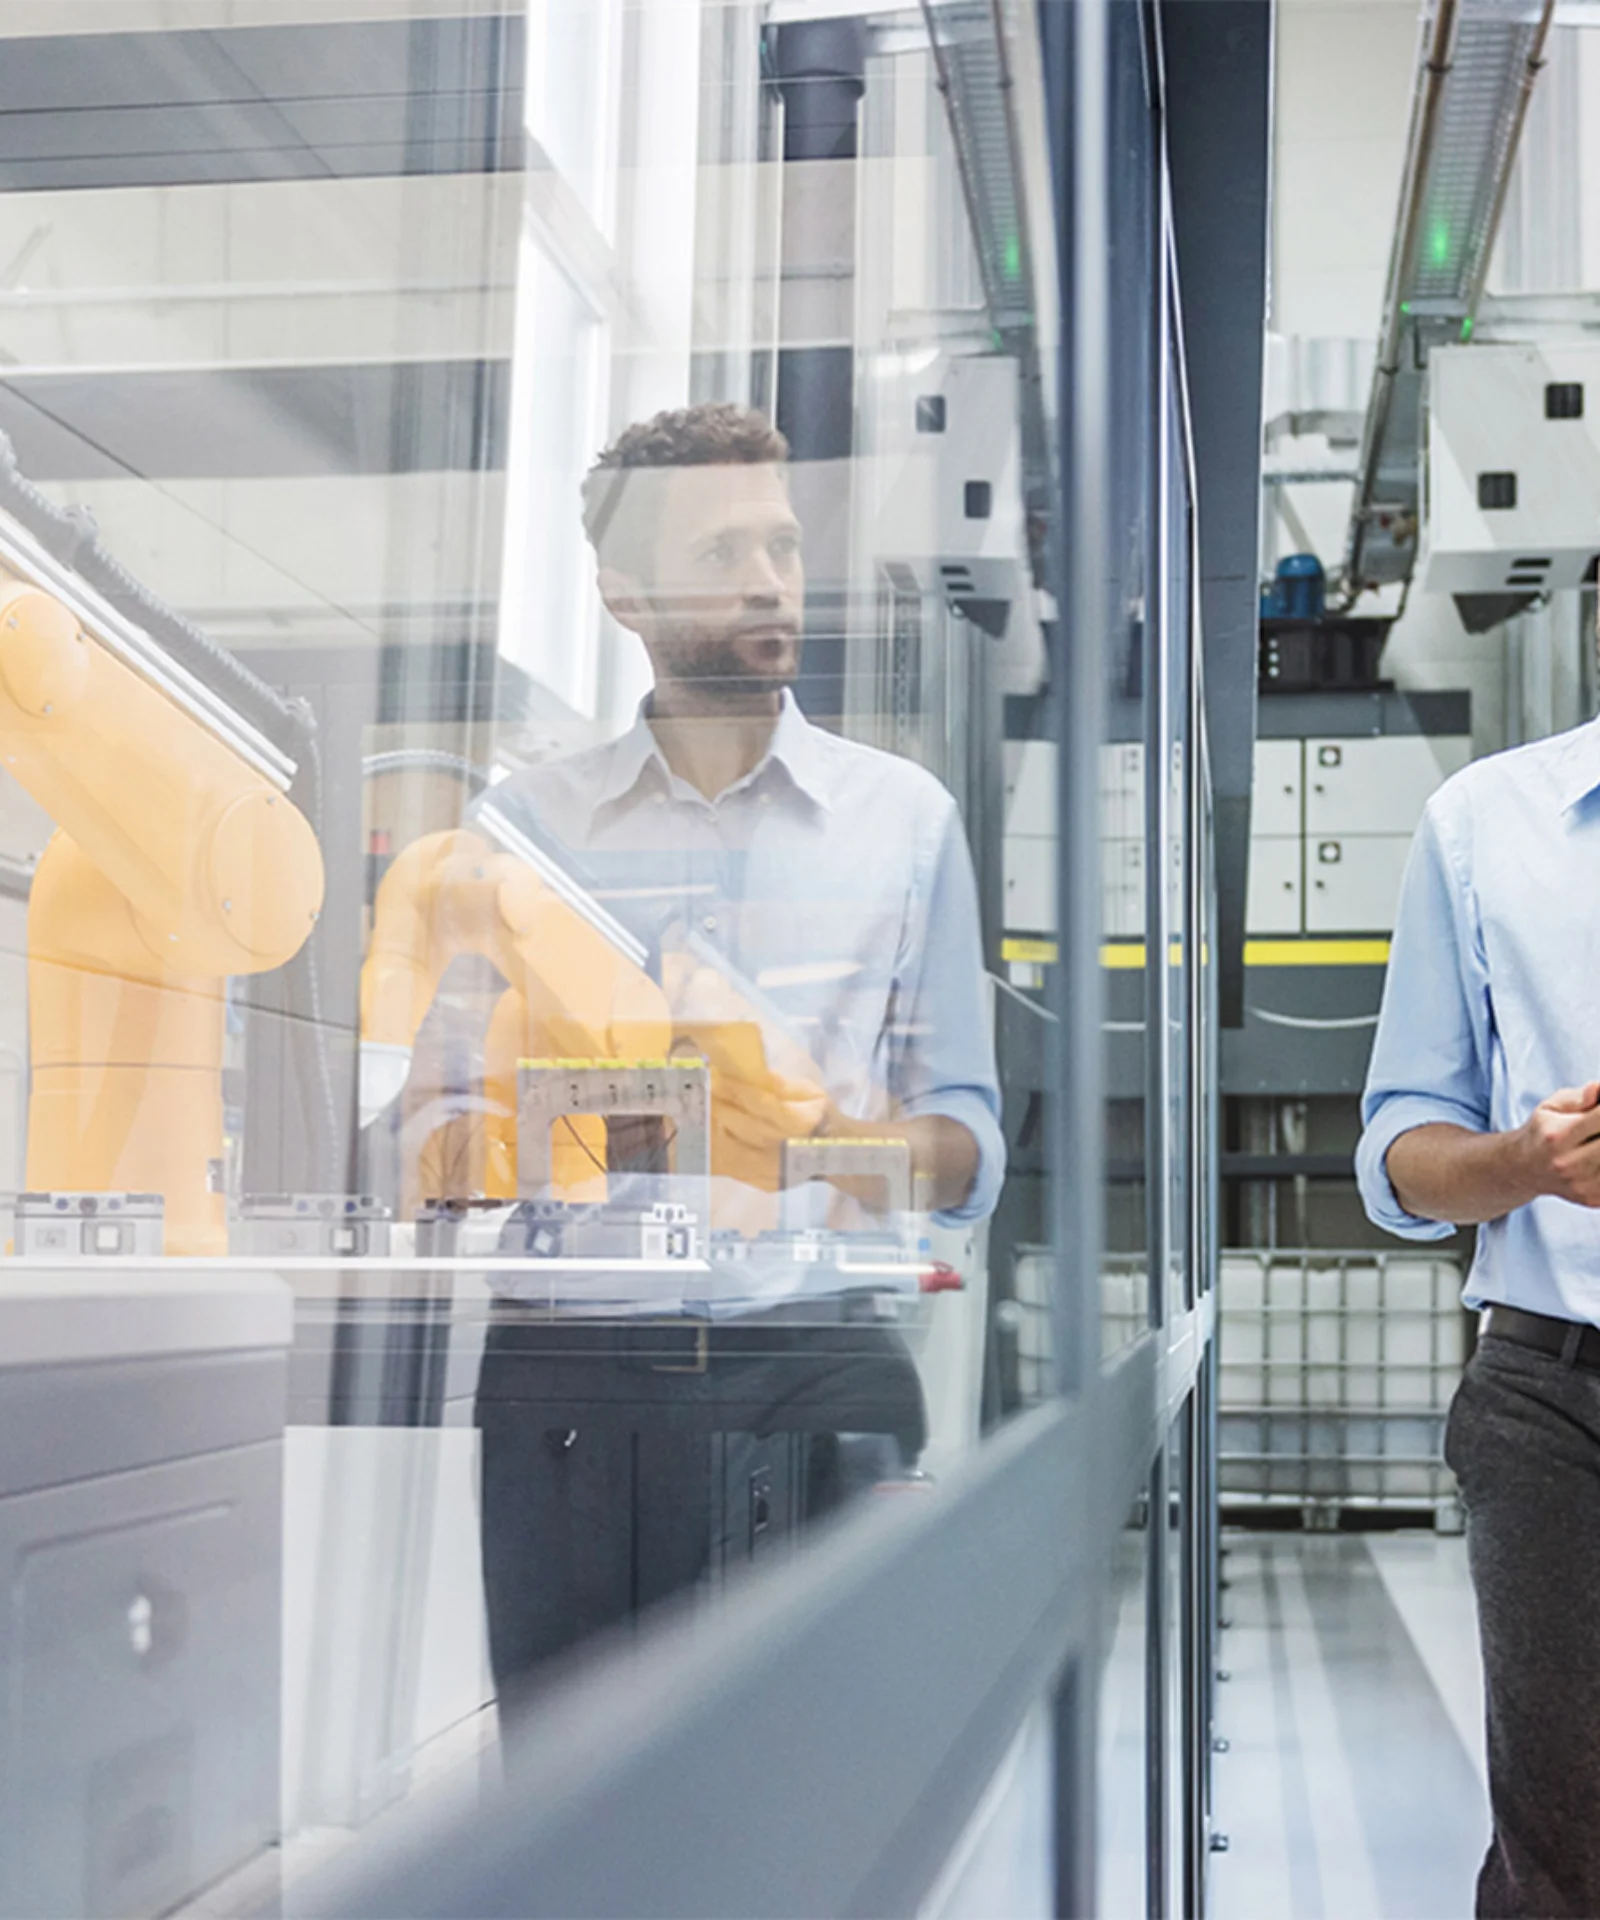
945,474
1488,415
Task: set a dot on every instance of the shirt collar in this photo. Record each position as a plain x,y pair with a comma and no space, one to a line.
1580,768
794,747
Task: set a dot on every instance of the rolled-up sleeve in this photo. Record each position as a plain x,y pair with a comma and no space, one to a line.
943,1045
1430,1058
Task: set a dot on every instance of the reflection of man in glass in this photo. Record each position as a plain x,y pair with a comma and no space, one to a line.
831,879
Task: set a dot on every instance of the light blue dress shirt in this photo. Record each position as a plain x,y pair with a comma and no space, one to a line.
834,878
1492,1001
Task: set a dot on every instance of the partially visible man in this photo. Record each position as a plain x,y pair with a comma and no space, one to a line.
795,871
1481,1110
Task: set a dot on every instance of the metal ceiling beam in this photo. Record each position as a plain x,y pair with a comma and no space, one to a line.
1477,64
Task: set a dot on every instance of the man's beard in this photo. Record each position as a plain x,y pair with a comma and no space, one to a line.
718,668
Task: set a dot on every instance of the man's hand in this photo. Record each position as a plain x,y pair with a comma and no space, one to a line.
944,1156
1560,1145
1443,1172
765,1089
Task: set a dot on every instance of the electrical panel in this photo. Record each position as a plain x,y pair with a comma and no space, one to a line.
1331,824
1353,885
1377,785
1029,846
1122,889
1030,885
1332,819
1276,898
1122,791
1511,487
1030,785
1278,791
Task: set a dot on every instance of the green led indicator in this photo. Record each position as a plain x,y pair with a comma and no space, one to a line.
1405,306
1013,257
1466,328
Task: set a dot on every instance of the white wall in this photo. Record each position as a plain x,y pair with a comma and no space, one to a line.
257,272
1343,102
1344,73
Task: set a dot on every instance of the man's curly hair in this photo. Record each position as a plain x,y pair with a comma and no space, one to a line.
619,519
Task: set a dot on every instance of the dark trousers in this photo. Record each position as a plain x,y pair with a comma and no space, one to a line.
604,1445
1523,1439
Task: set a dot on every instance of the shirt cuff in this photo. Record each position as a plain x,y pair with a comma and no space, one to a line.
1396,1116
972,1109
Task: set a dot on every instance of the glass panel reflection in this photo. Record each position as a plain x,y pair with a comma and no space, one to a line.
1124,1755
528,867
1134,679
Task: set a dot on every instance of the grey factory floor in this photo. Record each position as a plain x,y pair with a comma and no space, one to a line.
1353,1783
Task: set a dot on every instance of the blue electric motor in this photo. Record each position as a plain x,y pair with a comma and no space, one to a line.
1301,588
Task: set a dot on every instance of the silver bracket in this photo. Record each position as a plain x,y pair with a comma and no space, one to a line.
550,1091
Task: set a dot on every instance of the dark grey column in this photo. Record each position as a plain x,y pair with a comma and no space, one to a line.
1217,56
821,73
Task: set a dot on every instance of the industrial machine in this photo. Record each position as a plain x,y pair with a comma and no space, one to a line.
594,1029
1512,471
180,861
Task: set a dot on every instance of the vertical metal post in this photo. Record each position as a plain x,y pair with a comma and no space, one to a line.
1076,61
1077,65
1157,751
1208,1474
1158,1731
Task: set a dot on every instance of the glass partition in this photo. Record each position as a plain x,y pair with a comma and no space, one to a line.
1179,748
530,842
1130,831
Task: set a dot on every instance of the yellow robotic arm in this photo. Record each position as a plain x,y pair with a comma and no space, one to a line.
177,864
570,993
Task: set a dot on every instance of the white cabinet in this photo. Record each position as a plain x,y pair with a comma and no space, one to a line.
1122,889
1353,881
1278,788
1377,785
1276,901
1031,788
1122,791
1030,884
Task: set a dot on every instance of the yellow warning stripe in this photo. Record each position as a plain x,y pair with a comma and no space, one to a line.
1316,953
1127,956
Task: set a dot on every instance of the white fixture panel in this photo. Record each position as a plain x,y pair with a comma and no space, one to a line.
1275,900
1122,889
1122,791
1030,884
1278,787
1377,785
1353,881
1031,787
